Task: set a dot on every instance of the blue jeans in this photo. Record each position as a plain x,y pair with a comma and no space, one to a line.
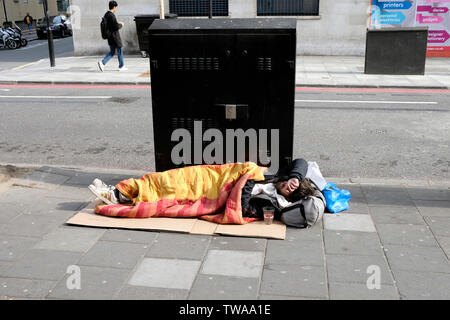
111,54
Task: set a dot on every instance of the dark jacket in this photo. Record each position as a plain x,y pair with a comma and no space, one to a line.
25,19
113,29
252,206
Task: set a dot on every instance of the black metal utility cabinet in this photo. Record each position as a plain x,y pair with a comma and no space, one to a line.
206,69
143,22
396,51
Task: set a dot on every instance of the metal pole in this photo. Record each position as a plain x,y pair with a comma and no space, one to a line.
51,49
161,9
4,9
210,9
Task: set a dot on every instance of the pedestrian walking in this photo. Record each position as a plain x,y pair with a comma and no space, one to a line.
28,20
113,36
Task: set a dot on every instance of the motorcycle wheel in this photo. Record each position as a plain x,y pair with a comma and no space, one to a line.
11,44
24,42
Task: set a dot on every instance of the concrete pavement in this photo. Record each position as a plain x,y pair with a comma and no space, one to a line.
341,71
393,243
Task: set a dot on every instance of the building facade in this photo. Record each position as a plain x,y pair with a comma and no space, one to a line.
324,27
16,10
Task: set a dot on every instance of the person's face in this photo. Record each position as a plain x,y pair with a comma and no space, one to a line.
114,10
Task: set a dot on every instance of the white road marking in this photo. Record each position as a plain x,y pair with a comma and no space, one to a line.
368,101
38,44
55,97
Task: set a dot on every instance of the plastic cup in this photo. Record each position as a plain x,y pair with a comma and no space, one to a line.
268,214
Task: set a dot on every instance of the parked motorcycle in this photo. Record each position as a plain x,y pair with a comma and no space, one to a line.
16,33
10,41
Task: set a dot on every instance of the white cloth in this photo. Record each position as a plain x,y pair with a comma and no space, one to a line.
315,175
270,190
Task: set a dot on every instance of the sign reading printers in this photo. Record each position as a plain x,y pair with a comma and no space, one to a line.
414,13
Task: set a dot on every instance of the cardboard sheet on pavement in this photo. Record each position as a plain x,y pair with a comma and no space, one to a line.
257,229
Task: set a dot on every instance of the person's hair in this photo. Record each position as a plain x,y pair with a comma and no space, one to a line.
112,5
304,190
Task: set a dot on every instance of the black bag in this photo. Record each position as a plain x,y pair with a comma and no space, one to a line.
104,28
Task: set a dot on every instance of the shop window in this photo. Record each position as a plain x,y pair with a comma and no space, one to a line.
193,8
288,7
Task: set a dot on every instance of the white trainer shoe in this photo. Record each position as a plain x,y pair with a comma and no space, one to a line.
123,68
104,192
101,66
99,183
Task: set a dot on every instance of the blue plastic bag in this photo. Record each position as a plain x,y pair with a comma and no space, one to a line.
337,199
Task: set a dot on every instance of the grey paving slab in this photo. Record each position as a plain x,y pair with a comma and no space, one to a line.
208,287
180,246
294,281
61,206
41,202
414,285
348,222
357,206
238,243
233,263
381,187
165,273
8,212
132,236
307,253
39,178
429,193
24,196
357,291
351,242
4,265
353,269
388,198
57,170
444,242
80,179
405,234
32,225
299,235
42,264
354,189
70,239
13,247
114,254
439,225
408,258
433,208
72,193
95,284
25,288
396,215
146,293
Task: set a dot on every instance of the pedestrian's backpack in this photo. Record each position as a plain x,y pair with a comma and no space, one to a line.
104,28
